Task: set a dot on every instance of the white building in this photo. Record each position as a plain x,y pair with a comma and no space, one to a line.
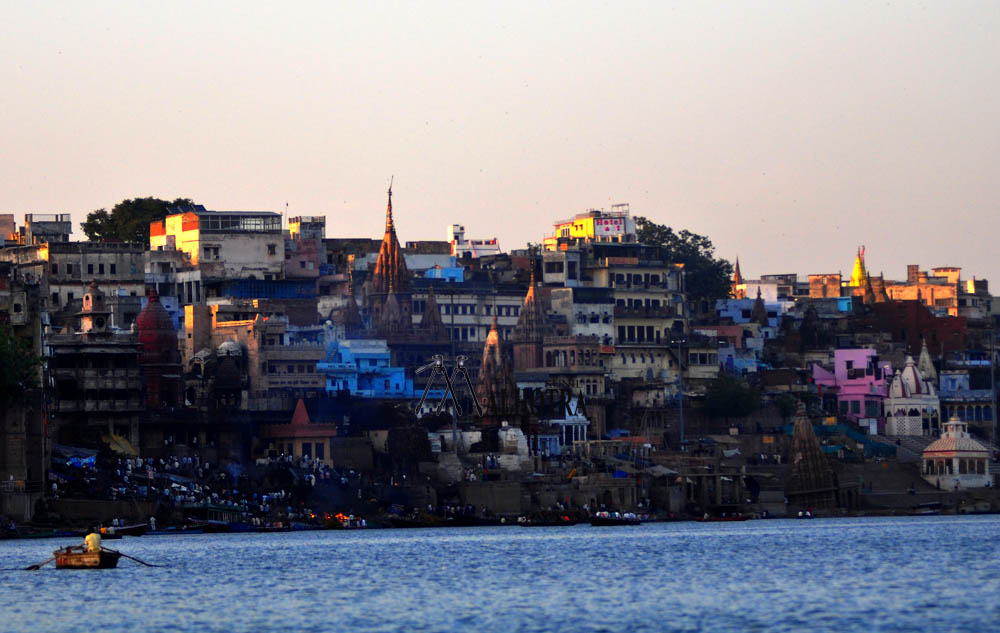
956,460
913,406
460,247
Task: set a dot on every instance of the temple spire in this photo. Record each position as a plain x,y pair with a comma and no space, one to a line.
390,274
736,291
859,272
389,228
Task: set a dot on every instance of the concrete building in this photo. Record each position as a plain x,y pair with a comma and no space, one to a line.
97,377
305,256
944,292
44,228
224,244
860,381
362,368
462,247
278,367
594,225
301,437
960,400
64,271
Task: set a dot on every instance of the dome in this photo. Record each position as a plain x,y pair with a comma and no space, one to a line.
230,348
909,382
157,335
956,438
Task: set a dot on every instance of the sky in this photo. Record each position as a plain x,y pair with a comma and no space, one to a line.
789,133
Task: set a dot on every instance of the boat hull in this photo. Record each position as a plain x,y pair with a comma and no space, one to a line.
69,559
606,521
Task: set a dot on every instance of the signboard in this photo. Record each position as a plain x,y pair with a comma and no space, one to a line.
608,226
769,439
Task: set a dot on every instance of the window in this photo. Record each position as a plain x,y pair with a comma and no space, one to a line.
69,269
55,298
855,406
114,269
843,407
69,297
90,269
319,450
100,269
55,269
272,249
302,263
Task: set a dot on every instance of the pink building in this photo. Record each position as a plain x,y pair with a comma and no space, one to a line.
860,381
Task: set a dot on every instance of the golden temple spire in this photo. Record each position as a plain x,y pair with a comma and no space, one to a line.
388,210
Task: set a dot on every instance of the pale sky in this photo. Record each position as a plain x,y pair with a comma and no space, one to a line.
788,132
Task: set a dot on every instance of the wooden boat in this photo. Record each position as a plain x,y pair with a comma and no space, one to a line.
75,557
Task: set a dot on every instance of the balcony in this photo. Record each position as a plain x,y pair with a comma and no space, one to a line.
646,312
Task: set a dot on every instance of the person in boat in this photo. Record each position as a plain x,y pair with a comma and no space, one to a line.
93,540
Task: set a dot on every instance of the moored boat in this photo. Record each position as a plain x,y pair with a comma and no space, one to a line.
75,557
138,529
601,521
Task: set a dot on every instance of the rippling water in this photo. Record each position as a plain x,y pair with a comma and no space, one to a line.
900,574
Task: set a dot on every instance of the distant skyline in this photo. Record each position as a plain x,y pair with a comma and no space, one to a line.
789,133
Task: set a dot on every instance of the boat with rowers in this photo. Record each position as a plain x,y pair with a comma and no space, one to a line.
76,557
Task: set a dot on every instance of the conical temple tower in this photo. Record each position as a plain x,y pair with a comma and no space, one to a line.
390,280
925,365
738,292
869,296
431,324
811,482
859,273
493,376
530,331
881,294
349,316
758,314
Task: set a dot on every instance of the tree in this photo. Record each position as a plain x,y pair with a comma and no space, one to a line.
706,277
730,397
18,366
128,221
787,404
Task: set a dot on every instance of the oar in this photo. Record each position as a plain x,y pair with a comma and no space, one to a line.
131,558
39,565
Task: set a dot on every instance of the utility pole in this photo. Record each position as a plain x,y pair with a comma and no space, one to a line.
680,389
993,394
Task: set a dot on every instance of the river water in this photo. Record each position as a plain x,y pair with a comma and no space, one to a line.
888,574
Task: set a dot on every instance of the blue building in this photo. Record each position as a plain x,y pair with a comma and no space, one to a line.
361,367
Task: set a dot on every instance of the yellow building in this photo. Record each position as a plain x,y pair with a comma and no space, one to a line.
593,226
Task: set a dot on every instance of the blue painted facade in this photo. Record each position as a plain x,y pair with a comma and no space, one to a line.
361,367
